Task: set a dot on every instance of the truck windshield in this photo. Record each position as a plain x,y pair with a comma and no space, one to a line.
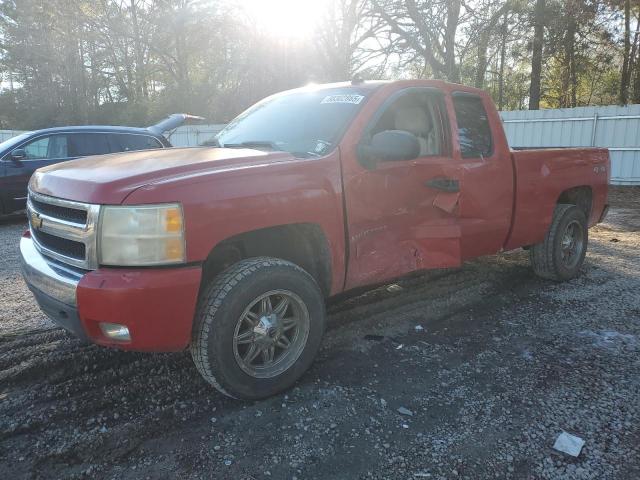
305,123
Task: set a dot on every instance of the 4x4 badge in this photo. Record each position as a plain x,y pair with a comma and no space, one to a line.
36,221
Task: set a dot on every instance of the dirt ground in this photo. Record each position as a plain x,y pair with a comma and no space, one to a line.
502,364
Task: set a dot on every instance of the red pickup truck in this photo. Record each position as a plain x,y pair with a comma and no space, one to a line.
231,250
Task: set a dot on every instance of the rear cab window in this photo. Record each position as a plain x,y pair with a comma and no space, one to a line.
474,131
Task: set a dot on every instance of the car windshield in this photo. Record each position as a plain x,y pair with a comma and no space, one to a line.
306,123
7,144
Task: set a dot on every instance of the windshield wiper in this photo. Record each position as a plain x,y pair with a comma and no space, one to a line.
253,143
266,144
305,154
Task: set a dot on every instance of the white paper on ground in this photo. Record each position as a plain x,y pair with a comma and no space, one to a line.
569,444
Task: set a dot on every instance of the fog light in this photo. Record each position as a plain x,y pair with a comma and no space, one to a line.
115,331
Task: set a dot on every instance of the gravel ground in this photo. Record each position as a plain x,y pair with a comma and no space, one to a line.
502,364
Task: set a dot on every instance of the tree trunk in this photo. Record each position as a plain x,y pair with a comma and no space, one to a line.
626,71
483,43
569,50
453,17
140,73
536,56
503,48
635,90
636,84
569,82
481,62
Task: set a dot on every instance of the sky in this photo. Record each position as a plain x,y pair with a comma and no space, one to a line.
290,19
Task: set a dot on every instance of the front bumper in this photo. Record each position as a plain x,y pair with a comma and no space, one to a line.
53,286
157,305
47,276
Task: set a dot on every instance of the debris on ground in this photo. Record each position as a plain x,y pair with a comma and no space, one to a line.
394,288
405,411
569,444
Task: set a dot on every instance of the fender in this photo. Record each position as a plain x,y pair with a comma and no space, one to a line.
225,203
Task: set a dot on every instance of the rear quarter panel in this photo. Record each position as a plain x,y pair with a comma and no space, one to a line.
541,176
221,204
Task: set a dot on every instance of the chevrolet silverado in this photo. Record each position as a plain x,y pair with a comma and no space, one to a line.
231,250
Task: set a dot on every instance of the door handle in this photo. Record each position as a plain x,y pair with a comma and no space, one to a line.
443,183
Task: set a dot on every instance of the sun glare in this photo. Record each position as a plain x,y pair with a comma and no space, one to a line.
288,19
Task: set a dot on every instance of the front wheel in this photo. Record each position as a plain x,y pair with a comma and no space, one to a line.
258,327
561,254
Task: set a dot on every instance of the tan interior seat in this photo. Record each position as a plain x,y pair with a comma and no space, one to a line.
415,120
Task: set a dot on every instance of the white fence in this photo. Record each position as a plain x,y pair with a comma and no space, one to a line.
616,128
7,134
192,135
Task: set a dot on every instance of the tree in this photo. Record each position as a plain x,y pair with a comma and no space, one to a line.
485,25
134,61
536,55
341,36
427,28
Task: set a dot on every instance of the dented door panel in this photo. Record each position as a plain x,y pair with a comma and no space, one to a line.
394,227
407,216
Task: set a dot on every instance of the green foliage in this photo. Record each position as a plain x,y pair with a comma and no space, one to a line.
132,62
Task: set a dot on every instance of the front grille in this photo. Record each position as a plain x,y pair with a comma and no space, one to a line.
63,246
63,213
64,230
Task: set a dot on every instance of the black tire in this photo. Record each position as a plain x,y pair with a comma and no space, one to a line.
547,258
222,305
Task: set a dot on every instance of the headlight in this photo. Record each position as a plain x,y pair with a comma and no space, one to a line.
141,235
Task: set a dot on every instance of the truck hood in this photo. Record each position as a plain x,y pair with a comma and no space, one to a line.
108,179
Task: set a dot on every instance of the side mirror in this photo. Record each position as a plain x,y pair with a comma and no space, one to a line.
18,154
389,146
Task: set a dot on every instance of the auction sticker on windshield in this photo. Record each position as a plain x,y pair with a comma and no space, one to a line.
343,99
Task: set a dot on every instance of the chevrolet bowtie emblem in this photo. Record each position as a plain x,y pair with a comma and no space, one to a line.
36,221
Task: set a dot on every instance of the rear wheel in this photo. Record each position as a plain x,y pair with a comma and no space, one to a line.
258,327
561,254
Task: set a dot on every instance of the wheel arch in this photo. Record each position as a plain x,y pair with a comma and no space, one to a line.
581,196
304,244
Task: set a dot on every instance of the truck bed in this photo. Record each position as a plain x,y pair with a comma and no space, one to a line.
540,177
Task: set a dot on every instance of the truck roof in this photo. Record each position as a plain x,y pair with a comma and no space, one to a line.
375,84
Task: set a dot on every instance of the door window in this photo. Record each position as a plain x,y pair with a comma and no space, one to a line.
46,148
474,132
122,142
85,144
418,112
